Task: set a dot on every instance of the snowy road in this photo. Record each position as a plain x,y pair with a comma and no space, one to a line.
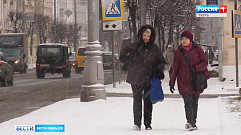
29,93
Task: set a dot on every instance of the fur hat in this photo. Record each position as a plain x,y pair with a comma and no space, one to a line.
149,28
187,34
170,46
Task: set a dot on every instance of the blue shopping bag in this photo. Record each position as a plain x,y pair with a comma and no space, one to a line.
156,91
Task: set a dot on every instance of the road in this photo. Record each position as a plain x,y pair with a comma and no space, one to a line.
29,93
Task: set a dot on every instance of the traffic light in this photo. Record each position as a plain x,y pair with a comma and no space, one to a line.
1,31
116,43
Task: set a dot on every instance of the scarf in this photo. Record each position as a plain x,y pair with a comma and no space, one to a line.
187,48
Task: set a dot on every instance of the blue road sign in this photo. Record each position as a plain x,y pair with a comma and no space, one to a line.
112,10
212,2
236,20
237,24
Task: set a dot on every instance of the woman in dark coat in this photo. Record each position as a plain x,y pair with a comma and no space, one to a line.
183,73
146,61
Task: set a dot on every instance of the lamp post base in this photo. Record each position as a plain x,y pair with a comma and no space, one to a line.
92,92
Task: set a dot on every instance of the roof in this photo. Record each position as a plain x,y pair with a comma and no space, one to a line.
81,47
4,34
50,44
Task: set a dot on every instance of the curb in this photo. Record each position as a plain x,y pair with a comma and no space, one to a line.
173,95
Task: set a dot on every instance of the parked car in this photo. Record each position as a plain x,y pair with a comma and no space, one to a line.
53,58
6,71
107,61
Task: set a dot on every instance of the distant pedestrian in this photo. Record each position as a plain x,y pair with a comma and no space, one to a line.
210,55
147,61
169,56
183,74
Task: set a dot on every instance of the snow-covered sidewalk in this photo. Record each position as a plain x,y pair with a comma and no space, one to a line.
214,87
114,116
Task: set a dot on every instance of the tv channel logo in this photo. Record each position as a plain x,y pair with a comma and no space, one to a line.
40,128
25,128
49,128
211,11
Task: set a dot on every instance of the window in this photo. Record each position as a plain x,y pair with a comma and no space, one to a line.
11,2
29,2
61,13
81,52
47,51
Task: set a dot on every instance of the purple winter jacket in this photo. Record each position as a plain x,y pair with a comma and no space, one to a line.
181,71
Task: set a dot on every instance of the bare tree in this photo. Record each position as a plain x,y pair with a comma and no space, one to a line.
157,12
70,35
76,33
72,30
132,6
15,18
170,18
61,30
42,24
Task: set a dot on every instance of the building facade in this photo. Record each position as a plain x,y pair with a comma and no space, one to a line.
5,8
228,49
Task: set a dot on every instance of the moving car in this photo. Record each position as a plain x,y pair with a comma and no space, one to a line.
6,71
15,47
106,60
72,59
53,58
80,60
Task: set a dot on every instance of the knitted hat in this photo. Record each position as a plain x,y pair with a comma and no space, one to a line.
187,34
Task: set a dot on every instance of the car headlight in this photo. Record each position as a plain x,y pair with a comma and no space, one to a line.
16,61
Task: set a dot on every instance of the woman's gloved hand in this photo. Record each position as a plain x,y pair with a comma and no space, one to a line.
172,89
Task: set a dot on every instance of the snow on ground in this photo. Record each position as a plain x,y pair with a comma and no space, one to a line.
114,116
214,87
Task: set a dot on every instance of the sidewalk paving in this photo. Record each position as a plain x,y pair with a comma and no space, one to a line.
114,116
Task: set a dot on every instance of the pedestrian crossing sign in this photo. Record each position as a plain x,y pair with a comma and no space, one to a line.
236,23
112,10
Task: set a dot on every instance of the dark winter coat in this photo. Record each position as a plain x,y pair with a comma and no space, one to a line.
181,68
146,60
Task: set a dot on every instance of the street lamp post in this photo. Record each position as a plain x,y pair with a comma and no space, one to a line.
2,18
93,82
23,16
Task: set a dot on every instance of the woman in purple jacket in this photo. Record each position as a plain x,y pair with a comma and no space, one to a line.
183,74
